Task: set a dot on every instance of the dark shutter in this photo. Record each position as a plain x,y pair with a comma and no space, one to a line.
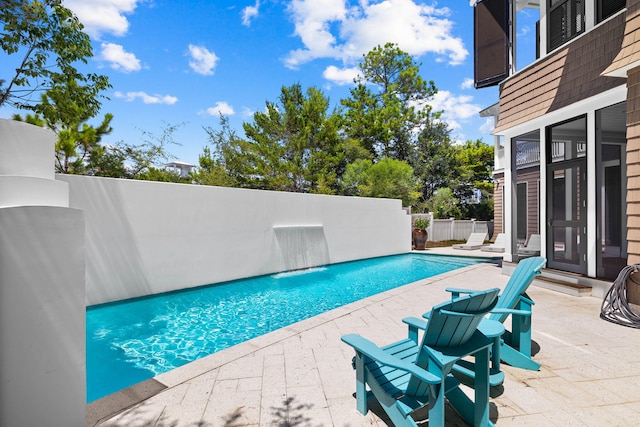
491,42
606,8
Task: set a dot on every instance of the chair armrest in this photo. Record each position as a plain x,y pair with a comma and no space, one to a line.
414,322
525,299
511,311
457,291
373,352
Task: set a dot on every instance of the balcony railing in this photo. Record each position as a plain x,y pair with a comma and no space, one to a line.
528,153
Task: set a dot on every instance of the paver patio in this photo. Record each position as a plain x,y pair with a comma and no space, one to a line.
302,376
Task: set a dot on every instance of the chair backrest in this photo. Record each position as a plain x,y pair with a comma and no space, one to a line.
500,241
452,323
517,285
476,238
534,243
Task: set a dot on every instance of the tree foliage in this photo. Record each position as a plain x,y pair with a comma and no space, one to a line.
435,161
444,204
474,175
293,146
385,141
386,120
44,41
389,178
137,161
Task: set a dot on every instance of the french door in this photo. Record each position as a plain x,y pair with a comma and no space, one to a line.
566,216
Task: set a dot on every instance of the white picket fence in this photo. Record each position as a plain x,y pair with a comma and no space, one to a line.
454,229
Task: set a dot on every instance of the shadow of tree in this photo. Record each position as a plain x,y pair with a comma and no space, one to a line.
230,419
291,414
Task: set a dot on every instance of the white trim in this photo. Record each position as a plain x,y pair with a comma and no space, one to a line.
543,191
596,102
592,210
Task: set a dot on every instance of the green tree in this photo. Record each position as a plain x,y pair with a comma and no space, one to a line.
435,162
295,145
43,41
388,178
444,204
475,176
136,161
64,110
211,171
385,121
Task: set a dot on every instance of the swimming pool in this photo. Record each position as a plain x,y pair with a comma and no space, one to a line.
134,340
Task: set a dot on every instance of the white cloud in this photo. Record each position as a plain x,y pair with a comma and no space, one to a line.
147,99
221,107
331,30
103,16
455,108
249,13
467,84
202,60
247,112
340,76
118,58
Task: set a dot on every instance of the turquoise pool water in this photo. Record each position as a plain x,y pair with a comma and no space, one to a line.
134,340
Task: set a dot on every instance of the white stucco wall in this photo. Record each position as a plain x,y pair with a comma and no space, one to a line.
148,237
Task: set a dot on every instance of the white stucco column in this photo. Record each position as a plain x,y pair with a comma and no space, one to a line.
42,286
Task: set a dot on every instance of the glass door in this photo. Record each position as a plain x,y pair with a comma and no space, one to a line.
566,218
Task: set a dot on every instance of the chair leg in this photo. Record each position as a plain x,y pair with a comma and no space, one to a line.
361,387
481,387
514,358
436,396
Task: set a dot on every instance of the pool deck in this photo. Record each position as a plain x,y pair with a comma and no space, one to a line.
301,375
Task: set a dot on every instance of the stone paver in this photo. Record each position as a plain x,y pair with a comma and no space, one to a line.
302,375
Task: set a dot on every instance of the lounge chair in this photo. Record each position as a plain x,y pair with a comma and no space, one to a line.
405,376
497,245
532,248
475,241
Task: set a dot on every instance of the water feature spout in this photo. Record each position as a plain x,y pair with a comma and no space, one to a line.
302,246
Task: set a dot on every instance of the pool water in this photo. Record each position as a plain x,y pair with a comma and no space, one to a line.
134,340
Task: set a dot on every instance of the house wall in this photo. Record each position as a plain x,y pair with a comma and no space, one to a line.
498,204
146,237
567,76
532,177
633,166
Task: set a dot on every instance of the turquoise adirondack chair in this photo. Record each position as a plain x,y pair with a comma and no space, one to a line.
512,347
405,376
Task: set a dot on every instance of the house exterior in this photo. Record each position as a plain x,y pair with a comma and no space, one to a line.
568,126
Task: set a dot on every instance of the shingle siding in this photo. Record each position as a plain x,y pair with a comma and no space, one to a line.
630,50
569,75
633,165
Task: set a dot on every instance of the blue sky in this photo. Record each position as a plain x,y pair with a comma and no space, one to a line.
183,62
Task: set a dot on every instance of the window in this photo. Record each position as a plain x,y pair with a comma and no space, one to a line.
566,20
521,221
606,8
